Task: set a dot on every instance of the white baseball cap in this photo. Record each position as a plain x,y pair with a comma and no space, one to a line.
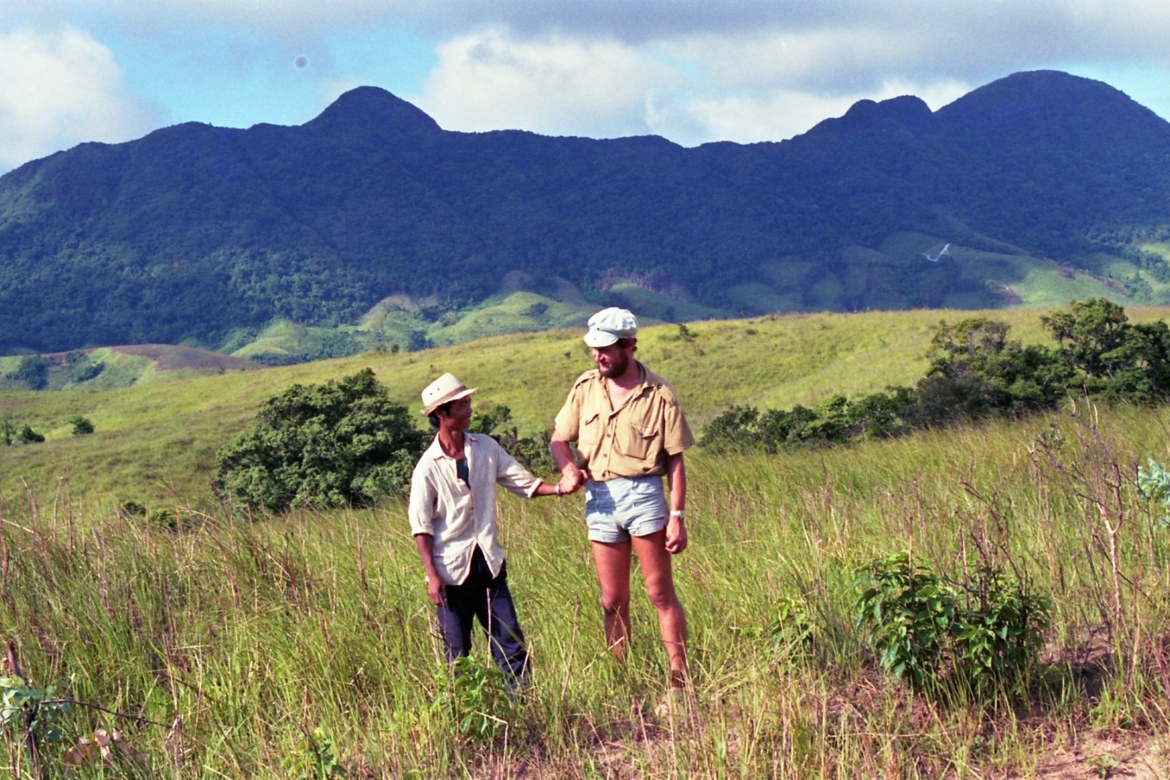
609,325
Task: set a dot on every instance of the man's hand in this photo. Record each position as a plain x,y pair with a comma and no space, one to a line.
570,482
437,590
676,535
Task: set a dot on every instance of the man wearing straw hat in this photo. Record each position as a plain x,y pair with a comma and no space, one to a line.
453,518
630,432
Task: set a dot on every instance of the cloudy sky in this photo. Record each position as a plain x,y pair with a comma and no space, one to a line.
690,70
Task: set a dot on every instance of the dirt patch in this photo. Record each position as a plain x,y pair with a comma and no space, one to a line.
1136,757
167,357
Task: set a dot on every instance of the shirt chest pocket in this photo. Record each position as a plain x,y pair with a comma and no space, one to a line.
590,434
639,442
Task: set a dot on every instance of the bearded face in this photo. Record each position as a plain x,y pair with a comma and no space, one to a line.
612,361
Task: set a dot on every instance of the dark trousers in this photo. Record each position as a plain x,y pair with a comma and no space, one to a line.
488,599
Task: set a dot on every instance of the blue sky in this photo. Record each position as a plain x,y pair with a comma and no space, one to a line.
112,70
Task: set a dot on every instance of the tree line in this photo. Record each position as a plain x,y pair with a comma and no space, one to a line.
976,371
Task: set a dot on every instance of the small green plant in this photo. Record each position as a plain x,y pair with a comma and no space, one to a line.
475,696
924,626
31,713
1153,483
685,333
323,755
29,436
1103,765
791,631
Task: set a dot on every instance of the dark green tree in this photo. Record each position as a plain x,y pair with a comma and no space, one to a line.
33,372
343,443
29,436
81,426
1112,355
976,370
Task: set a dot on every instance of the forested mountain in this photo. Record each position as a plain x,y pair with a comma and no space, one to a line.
195,232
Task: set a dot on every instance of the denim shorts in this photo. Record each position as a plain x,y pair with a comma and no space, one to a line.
624,507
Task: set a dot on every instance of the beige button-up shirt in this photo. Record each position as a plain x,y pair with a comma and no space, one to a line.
461,517
633,440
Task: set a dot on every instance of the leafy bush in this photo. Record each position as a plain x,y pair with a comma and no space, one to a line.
475,697
924,627
29,436
343,443
81,426
531,451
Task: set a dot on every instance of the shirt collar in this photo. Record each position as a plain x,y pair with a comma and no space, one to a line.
436,449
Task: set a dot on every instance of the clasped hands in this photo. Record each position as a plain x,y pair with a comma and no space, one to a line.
572,478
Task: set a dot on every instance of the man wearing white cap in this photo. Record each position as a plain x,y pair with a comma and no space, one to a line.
630,432
453,518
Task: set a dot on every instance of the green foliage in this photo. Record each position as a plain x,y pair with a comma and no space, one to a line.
83,372
976,371
29,436
531,451
24,706
33,372
924,627
1112,356
475,697
323,756
342,443
1153,483
81,426
791,631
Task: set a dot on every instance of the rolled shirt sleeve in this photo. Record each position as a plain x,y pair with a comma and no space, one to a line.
511,475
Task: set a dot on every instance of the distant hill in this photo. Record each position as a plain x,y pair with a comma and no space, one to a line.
380,228
114,367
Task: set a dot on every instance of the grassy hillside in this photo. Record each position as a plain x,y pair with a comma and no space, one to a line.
159,440
253,649
124,366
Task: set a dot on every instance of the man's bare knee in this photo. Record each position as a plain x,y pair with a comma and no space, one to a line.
662,597
613,607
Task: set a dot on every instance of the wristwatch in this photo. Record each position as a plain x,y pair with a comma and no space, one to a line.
679,513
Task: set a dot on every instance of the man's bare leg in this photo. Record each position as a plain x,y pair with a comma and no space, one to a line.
672,622
612,562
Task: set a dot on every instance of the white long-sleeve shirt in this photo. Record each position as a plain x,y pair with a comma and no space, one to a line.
461,517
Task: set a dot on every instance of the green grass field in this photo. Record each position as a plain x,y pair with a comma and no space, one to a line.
259,649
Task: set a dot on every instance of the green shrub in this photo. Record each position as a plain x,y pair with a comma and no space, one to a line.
29,436
343,443
924,627
81,426
531,451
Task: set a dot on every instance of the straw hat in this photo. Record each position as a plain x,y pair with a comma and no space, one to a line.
443,390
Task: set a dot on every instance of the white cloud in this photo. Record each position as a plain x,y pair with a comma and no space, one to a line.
59,89
555,86
785,113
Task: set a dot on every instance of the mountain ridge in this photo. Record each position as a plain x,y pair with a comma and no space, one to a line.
196,234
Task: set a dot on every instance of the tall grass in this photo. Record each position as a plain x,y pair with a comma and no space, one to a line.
239,638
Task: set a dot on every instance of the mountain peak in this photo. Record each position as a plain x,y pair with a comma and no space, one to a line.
373,106
1049,98
866,115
